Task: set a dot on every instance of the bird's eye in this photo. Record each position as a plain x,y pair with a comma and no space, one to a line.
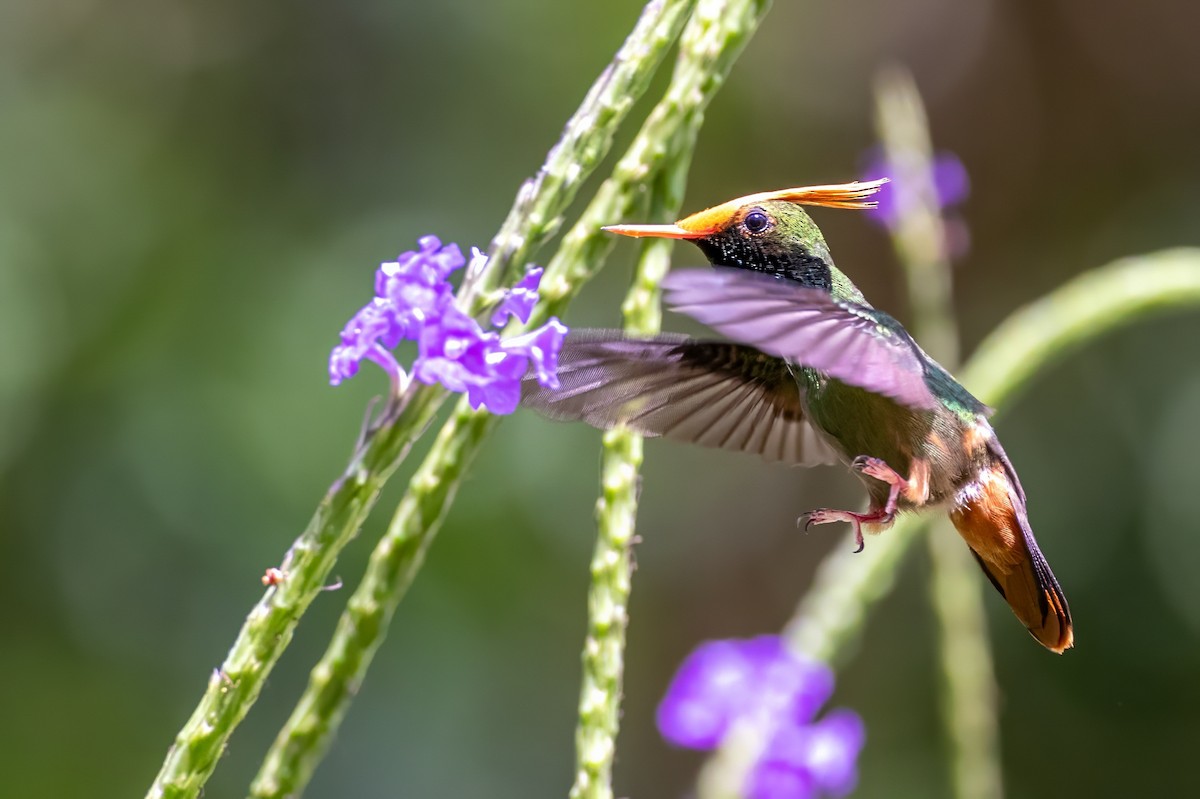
756,222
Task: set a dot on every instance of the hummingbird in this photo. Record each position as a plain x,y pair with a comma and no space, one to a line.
811,374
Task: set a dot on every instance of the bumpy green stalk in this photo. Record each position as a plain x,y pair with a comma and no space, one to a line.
1030,340
968,675
918,233
584,143
390,571
333,682
267,631
608,602
616,511
919,236
235,686
711,43
1079,312
846,586
1041,333
844,589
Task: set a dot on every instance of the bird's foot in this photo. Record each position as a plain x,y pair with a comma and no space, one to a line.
872,467
856,520
876,468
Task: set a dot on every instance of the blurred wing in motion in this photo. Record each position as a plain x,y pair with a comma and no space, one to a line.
710,393
854,343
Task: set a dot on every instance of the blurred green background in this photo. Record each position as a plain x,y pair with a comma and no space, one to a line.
193,198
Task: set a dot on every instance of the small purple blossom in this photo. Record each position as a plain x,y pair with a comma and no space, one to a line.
456,352
370,333
414,301
810,759
541,347
520,300
951,185
760,682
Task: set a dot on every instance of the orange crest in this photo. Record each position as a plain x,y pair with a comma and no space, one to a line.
839,195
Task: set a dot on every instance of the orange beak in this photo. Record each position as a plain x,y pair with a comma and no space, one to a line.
656,231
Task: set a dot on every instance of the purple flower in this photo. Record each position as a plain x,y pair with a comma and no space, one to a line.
951,185
761,683
950,182
414,301
541,347
723,681
520,301
370,333
819,756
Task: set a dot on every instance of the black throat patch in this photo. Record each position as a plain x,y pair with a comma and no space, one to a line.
741,252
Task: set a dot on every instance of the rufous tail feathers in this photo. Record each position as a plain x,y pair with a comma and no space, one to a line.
989,514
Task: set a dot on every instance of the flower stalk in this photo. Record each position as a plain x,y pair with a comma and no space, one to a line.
608,602
917,230
709,45
714,38
235,685
269,626
846,586
616,512
586,139
394,563
671,126
919,236
845,589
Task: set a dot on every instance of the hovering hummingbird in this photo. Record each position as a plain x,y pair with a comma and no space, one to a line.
814,374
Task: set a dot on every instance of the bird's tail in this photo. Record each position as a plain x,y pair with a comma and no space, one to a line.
990,516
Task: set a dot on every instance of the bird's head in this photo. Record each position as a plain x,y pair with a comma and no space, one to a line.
766,232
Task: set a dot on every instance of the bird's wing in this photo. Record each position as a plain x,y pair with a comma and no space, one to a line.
711,393
851,342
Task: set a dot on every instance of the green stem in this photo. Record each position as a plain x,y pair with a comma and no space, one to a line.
1076,314
918,233
955,591
1041,333
608,602
390,571
303,739
710,45
968,674
616,510
585,141
268,628
844,589
847,586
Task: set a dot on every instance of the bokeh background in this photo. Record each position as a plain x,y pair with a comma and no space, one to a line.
193,198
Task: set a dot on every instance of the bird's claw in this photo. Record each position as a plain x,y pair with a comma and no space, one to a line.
874,467
821,516
829,515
